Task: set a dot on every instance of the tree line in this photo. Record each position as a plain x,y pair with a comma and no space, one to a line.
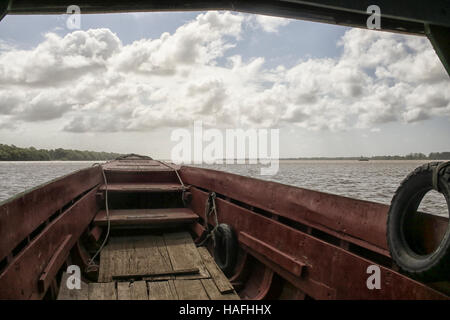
410,156
416,156
13,153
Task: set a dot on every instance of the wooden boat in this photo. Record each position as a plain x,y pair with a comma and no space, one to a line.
292,243
273,241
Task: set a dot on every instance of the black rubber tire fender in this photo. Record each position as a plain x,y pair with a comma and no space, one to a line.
225,252
425,266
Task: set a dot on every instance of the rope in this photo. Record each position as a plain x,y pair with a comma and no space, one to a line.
436,170
91,265
183,187
210,208
176,171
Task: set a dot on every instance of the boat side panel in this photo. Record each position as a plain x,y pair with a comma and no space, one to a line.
23,214
362,221
20,278
331,272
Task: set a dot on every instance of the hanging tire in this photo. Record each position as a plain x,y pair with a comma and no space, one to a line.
225,252
409,256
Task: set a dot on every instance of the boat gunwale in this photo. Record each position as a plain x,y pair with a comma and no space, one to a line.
308,214
26,212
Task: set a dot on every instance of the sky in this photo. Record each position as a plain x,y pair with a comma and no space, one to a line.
124,82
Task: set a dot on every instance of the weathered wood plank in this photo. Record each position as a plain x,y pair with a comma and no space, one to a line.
132,290
131,256
183,254
193,276
145,216
142,187
72,294
138,290
121,256
214,293
217,275
102,291
190,290
162,290
211,289
123,291
104,272
162,275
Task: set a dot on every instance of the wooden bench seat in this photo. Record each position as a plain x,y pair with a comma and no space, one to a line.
142,187
155,217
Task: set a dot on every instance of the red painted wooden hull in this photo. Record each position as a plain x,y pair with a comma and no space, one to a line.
294,243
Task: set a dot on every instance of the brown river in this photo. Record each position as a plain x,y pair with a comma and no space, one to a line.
372,180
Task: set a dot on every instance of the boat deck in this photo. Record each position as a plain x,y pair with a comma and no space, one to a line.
164,266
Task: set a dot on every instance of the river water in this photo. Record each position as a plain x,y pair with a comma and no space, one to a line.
372,180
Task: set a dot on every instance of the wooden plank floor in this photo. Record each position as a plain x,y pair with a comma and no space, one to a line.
134,255
184,255
154,268
75,294
132,290
102,291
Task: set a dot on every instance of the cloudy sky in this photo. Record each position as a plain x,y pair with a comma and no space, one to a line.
123,82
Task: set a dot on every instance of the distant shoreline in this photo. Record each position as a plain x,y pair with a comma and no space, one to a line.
443,157
13,153
54,160
224,162
413,156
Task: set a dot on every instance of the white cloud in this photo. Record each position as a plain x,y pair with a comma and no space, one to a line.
270,24
91,81
5,46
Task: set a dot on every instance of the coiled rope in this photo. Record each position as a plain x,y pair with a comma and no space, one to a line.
210,209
